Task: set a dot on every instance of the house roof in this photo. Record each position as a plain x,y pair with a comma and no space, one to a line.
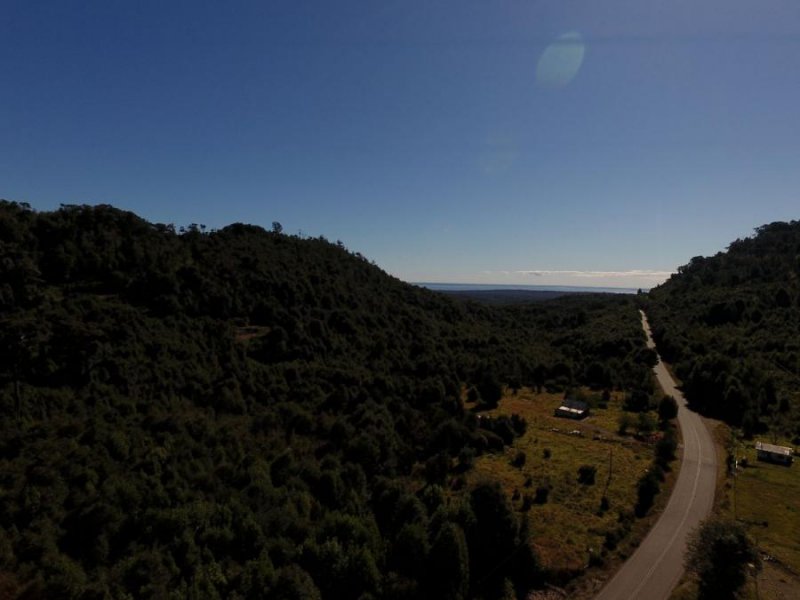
772,448
574,405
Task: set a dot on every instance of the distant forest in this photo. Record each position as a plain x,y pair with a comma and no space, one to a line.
247,414
730,324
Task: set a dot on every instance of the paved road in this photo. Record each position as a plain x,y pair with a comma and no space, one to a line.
655,568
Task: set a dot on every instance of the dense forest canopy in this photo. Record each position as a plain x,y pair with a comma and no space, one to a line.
247,414
730,324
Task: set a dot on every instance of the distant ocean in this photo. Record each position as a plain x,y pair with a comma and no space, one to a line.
468,287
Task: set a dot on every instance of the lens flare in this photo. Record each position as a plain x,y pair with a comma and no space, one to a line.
560,61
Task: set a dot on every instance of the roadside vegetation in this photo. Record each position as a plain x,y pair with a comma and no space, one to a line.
721,555
728,324
761,497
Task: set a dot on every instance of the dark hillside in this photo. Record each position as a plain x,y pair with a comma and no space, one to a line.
731,325
246,414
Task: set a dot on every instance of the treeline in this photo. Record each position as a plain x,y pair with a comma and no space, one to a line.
730,324
246,414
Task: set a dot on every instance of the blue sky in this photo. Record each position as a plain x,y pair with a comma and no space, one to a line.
538,142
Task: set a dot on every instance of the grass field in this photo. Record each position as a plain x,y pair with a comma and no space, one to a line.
570,526
765,498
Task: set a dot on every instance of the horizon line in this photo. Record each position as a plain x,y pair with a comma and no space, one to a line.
523,286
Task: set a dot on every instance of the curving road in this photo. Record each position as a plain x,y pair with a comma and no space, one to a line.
657,565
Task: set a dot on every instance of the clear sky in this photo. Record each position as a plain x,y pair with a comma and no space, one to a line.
538,142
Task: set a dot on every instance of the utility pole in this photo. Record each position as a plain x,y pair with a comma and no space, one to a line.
735,517
610,469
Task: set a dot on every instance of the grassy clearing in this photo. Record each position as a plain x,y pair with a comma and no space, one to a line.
570,526
765,498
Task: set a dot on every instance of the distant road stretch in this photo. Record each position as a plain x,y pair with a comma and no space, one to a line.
657,565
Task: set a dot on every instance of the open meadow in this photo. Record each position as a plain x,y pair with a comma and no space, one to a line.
571,524
764,497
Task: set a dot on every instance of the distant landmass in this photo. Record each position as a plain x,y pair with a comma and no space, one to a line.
500,294
563,289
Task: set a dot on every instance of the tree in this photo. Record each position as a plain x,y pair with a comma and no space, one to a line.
666,447
645,423
295,584
637,401
667,409
720,553
490,390
493,536
646,492
449,564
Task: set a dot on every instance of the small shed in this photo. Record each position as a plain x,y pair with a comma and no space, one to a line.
776,454
572,409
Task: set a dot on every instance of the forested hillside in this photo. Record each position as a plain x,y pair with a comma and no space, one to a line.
247,414
730,324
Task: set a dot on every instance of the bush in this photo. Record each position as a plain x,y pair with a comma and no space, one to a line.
646,492
519,459
719,554
665,449
637,401
667,409
527,502
466,458
645,423
586,474
519,424
625,421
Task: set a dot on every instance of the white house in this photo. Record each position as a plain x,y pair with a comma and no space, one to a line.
772,453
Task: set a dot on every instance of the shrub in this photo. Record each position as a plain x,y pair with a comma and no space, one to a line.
625,421
527,502
586,474
645,423
646,492
637,401
667,409
719,554
665,449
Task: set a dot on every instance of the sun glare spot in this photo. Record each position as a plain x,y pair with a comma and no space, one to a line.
560,61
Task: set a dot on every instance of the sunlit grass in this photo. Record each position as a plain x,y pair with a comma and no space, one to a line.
570,525
768,500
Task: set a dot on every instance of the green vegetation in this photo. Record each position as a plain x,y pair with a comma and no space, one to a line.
667,409
721,555
246,414
764,497
729,325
